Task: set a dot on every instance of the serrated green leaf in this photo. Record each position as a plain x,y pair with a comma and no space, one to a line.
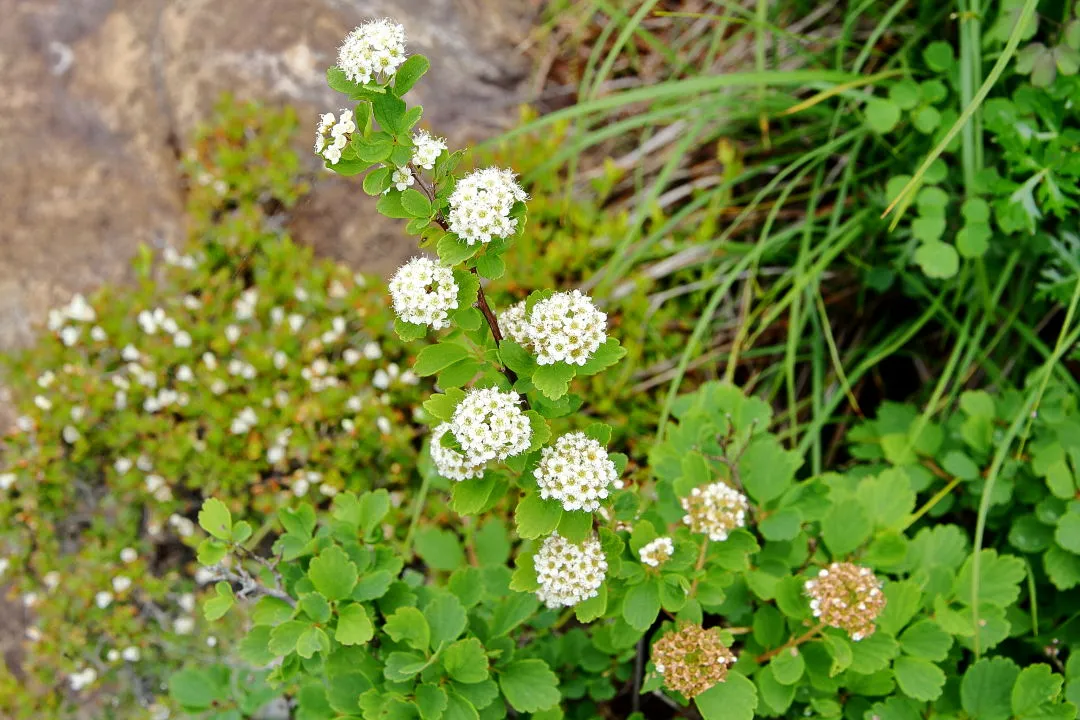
641,604
734,699
333,574
216,519
216,607
535,517
408,625
1035,686
986,690
453,250
354,625
465,661
919,679
529,685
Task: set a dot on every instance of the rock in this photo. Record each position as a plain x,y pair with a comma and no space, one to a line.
100,96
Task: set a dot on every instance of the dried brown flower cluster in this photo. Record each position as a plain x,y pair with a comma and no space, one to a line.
848,597
715,510
692,659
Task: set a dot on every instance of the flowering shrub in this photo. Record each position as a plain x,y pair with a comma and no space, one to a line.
242,369
723,580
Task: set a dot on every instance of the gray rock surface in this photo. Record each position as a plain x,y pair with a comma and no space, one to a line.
99,97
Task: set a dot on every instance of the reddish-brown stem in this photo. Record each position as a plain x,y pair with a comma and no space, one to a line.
793,643
700,564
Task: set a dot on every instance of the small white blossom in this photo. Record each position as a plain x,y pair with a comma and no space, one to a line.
182,525
186,602
381,379
232,334
46,379
565,327
332,136
657,552
245,305
83,678
569,574
129,555
113,655
490,425
97,334
130,654
373,51
192,303
300,487
351,356
402,178
122,465
383,424
182,339
121,583
449,462
169,325
426,149
513,324
70,335
354,404
184,625
243,422
296,321
6,480
328,490
43,403
129,353
103,599
715,510
78,413
70,434
210,361
24,423
144,463
372,351
577,472
184,374
211,641
424,292
51,579
480,205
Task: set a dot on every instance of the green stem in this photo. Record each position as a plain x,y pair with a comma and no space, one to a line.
417,510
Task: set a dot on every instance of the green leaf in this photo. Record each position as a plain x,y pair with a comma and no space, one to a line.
439,549
490,266
442,406
453,250
927,119
553,380
431,699
401,666
446,617
986,689
872,654
575,525
1062,567
253,648
888,498
733,699
194,689
299,521
593,608
882,115
283,637
1067,534
216,607
529,685
919,679
211,552
905,94
937,260
846,527
767,469
406,76
333,574
1036,686
409,625
468,497
407,331
535,517
902,600
311,641
788,666
354,625
271,611
377,181
926,639
939,56
459,707
373,507
465,661
315,607
389,113
782,525
609,353
517,358
434,358
641,604
415,203
999,579
216,519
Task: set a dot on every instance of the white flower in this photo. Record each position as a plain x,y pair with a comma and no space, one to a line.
46,379
449,462
182,339
129,353
121,583
569,574
380,379
480,205
83,678
565,327
191,302
30,599
296,321
184,374
246,303
103,599
51,579
144,463
383,424
70,335
489,425
232,333
300,487
243,422
513,324
122,465
351,356
373,51
70,434
372,351
113,655
328,490
275,455
24,423
331,137
43,403
184,625
209,360
426,149
97,334
277,315
211,641
280,360
4,565
147,322
715,510
577,472
129,555
657,552
423,292
169,325
187,602
131,654
78,413
6,480
183,526
80,310
410,378
402,178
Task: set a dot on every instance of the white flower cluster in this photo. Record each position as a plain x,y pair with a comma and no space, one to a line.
401,179
566,327
244,422
424,292
657,552
568,573
715,510
490,425
427,149
332,135
76,311
451,464
513,323
374,50
577,472
83,678
480,205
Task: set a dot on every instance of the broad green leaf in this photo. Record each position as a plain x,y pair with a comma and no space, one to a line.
333,574
1035,686
553,380
354,625
641,604
846,527
408,625
414,203
609,353
459,707
315,607
401,666
926,639
465,661
453,250
999,579
216,519
194,689
490,266
788,666
434,358
431,699
271,611
902,601
211,552
389,113
446,617
283,637
919,679
311,641
938,260
986,689
216,607
405,78
439,549
767,469
377,181
734,699
882,115
888,498
1067,534
529,685
535,517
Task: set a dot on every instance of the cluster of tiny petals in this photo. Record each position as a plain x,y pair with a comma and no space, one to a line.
692,659
512,323
569,573
715,510
375,50
424,292
577,472
480,205
657,552
565,327
451,464
848,597
427,149
490,425
332,135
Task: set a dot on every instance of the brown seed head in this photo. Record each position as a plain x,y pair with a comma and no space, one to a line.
848,597
692,659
